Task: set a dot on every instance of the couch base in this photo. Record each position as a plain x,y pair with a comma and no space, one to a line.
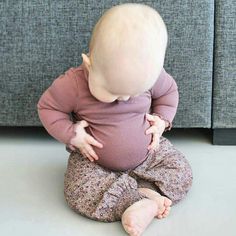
224,136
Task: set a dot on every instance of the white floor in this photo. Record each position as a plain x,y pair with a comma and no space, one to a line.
32,167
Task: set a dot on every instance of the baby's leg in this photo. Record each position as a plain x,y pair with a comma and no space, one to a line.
167,169
96,192
103,195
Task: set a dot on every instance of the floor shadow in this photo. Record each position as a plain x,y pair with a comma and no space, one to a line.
203,134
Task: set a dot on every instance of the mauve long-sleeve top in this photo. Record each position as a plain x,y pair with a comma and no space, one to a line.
120,125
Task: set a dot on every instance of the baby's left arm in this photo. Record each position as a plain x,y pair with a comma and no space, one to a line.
165,98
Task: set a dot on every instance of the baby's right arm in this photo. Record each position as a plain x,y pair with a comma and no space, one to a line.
56,103
54,107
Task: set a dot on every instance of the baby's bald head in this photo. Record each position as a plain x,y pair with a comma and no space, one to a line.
127,49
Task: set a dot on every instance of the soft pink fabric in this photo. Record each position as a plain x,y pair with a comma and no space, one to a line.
120,126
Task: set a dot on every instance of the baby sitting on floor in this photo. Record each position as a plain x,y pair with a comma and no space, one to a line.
120,166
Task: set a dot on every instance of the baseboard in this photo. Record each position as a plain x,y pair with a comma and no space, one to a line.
224,136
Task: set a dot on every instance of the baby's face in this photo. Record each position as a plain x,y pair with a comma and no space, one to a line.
99,88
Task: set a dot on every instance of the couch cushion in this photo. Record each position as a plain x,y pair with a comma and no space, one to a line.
42,39
224,99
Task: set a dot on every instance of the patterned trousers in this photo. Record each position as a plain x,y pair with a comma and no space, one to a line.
102,194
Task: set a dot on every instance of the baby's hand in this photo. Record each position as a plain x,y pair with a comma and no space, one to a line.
157,128
84,141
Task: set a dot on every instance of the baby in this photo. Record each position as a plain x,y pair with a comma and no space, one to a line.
121,100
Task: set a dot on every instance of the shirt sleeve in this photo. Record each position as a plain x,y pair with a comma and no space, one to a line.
55,105
165,97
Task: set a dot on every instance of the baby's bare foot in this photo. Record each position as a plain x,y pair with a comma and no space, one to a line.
163,203
138,216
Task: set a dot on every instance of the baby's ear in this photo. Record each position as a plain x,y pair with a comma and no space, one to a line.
86,61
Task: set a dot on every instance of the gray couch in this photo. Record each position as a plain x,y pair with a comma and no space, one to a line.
42,39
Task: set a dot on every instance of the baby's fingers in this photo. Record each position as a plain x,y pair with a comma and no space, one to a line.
155,142
90,152
86,154
150,130
93,141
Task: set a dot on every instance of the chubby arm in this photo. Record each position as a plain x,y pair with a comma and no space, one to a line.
56,103
165,98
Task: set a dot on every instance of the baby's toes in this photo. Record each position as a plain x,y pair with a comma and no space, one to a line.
159,216
166,212
167,202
